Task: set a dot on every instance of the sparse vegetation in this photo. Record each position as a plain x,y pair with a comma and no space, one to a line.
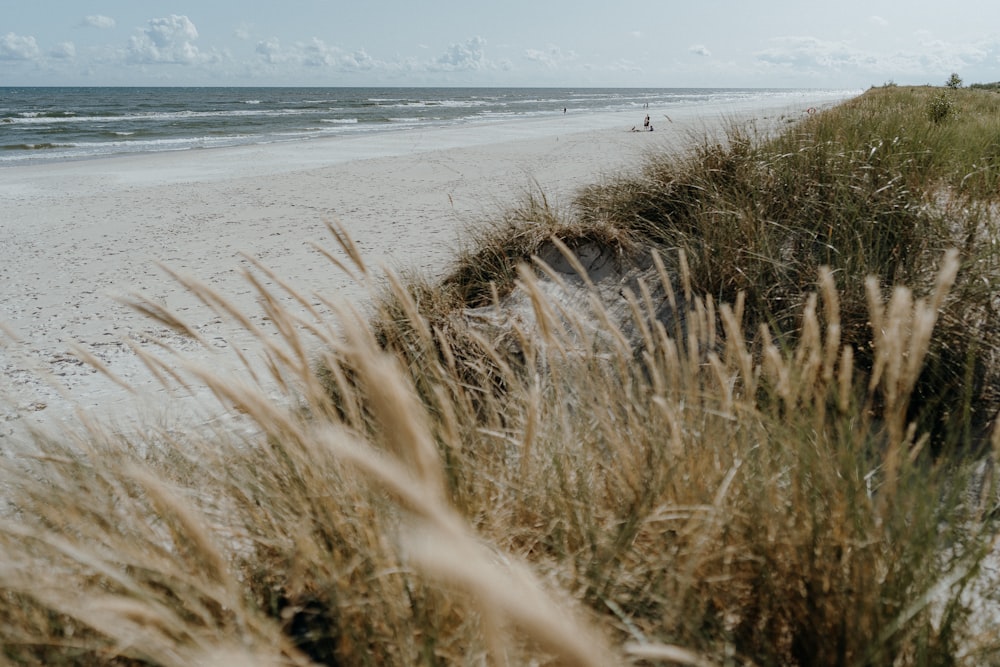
794,468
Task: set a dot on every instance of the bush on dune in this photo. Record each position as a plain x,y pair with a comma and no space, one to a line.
795,469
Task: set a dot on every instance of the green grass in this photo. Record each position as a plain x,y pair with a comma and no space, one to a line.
795,468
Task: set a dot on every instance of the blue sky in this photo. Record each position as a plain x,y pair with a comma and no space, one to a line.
805,43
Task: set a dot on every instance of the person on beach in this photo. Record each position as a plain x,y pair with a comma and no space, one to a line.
647,126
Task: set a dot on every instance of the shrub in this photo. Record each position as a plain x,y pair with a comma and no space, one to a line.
940,108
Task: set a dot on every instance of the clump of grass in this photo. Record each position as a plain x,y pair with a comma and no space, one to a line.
870,188
753,486
604,510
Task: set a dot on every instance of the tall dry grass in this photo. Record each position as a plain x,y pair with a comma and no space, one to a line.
871,188
728,491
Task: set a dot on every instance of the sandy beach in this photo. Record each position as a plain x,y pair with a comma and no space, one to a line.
77,236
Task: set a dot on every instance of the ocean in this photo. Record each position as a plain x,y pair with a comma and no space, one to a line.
51,124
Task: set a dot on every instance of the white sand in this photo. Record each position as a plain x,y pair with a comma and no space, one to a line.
75,235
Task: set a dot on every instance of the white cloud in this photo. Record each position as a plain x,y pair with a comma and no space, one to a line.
551,56
878,20
166,40
357,61
808,52
18,47
242,32
270,51
622,65
316,53
98,21
941,56
700,50
808,55
64,51
470,55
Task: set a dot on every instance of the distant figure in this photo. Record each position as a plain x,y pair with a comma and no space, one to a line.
564,109
645,123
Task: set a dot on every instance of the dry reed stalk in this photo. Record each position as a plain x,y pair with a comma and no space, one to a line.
664,652
845,380
397,413
533,418
808,357
549,326
736,350
511,588
187,529
446,549
346,243
901,337
777,369
685,274
831,304
639,318
573,260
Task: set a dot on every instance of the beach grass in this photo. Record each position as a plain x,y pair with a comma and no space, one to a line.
761,434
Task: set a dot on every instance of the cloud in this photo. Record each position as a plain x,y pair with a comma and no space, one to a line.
242,31
620,65
551,56
270,51
318,53
470,55
878,20
18,47
700,50
357,61
809,52
939,55
166,40
98,21
315,53
316,56
809,55
64,51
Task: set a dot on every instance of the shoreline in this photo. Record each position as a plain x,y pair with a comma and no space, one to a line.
78,235
216,162
172,119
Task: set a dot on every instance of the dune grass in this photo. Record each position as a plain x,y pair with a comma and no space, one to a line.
797,472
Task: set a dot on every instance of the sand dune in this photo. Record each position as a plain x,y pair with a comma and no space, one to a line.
77,236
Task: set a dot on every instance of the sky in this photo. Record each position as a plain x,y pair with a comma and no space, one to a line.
567,43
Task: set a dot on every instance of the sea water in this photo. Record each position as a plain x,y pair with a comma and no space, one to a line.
43,124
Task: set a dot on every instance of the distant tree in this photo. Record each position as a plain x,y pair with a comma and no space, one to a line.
954,81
